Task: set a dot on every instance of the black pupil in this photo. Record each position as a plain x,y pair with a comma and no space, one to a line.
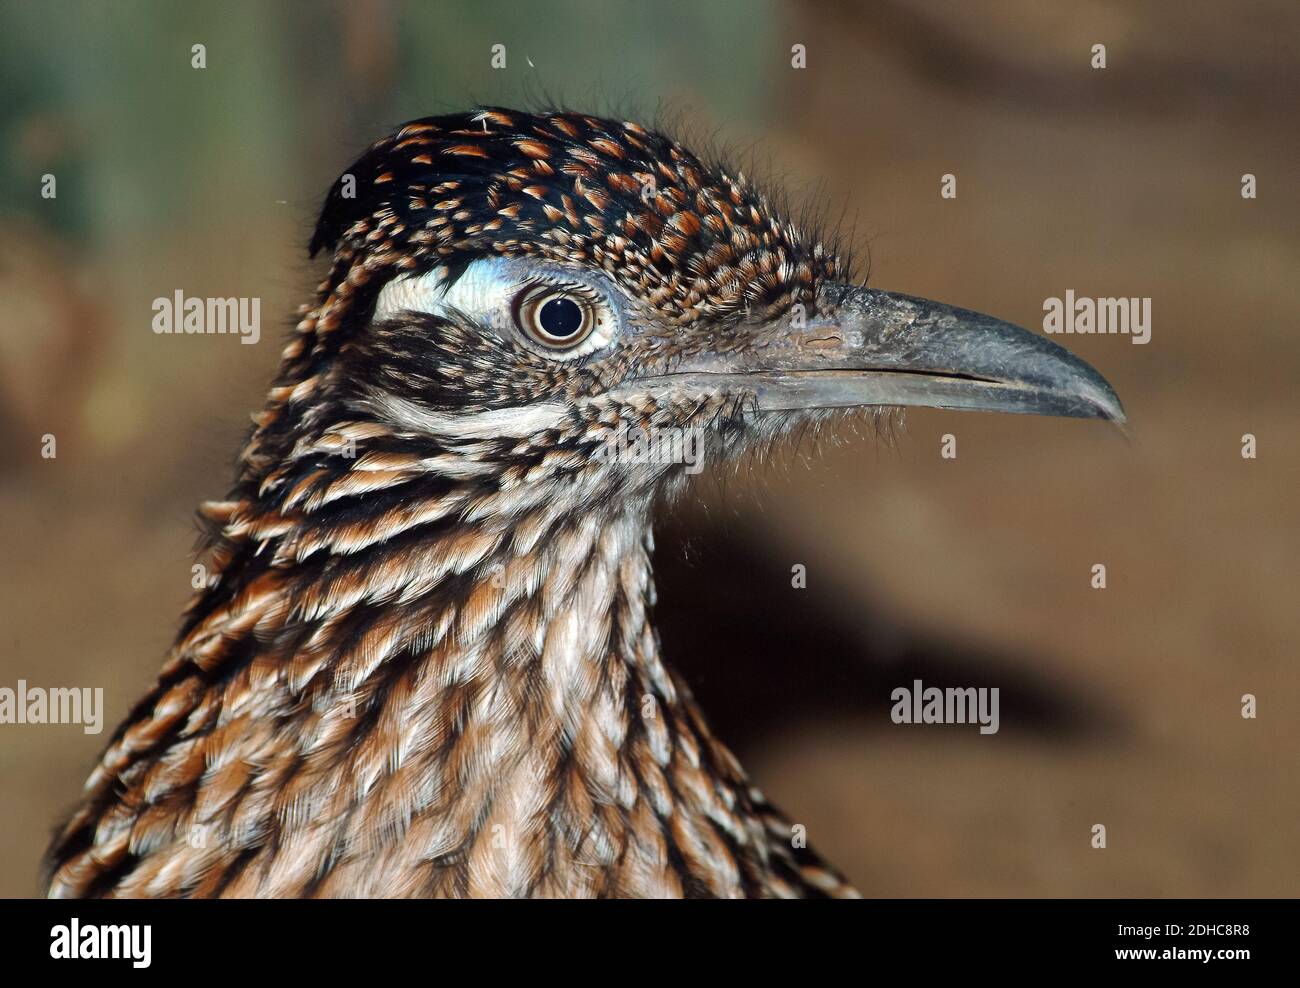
560,318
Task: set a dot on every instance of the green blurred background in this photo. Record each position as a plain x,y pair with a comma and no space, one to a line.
1120,706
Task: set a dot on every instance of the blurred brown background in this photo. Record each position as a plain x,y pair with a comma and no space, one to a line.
1119,707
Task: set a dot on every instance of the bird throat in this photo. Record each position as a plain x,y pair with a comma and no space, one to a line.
456,691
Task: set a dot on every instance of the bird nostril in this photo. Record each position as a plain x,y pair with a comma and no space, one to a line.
824,343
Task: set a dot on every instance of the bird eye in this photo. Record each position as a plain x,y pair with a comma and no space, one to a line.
560,319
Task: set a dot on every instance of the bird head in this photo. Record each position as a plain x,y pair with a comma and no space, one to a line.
426,616
546,292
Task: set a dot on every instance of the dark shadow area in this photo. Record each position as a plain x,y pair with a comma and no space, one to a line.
761,655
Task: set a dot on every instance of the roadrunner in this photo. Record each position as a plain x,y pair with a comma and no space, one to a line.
424,664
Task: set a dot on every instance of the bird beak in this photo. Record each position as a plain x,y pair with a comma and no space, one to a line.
868,347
